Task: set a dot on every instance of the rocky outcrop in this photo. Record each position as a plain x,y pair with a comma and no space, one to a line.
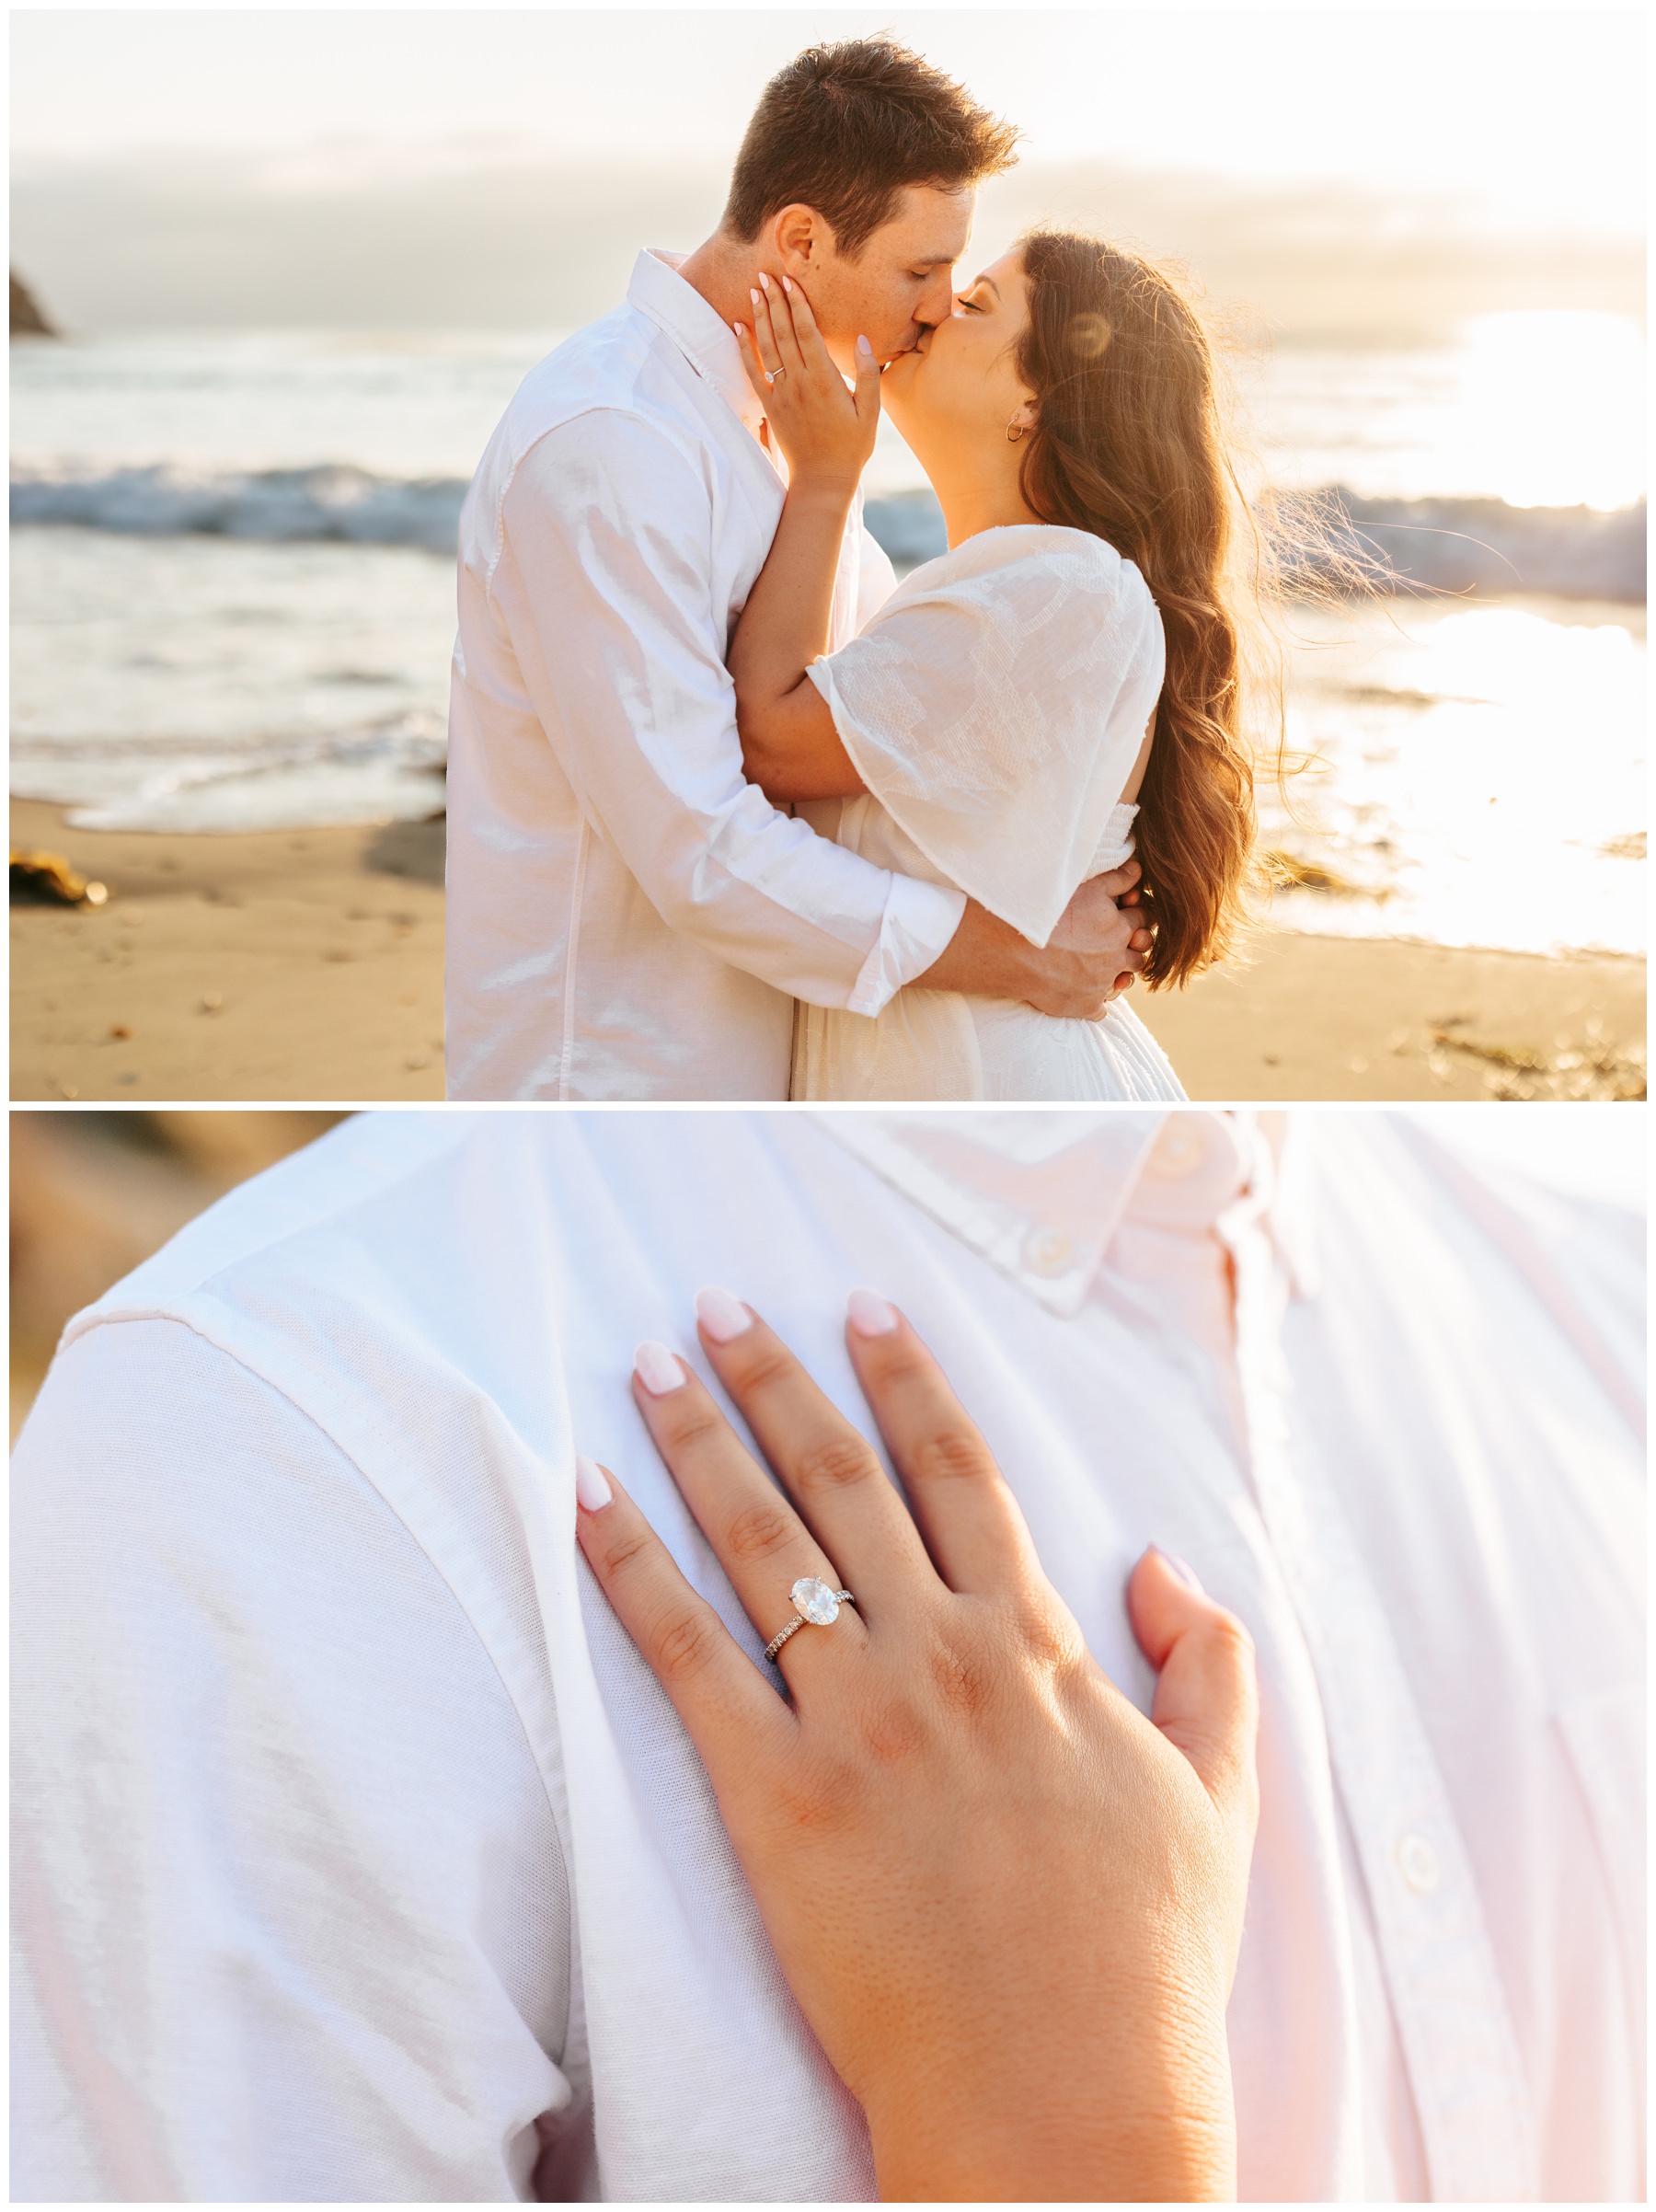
26,321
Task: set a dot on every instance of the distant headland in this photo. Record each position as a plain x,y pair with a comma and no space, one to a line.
26,321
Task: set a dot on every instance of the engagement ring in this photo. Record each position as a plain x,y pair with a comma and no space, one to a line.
818,1605
774,375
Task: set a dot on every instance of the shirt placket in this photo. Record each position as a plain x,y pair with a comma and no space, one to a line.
1465,2074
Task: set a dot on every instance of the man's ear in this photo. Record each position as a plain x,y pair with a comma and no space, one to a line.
800,236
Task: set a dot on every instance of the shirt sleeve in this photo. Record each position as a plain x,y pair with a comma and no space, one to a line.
291,1917
996,712
604,585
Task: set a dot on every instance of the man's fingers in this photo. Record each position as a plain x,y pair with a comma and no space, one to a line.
1207,1700
722,1700
1094,922
1117,881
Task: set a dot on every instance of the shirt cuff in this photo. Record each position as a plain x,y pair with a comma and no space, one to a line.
919,921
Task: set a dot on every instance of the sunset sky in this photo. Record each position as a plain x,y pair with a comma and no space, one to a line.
177,145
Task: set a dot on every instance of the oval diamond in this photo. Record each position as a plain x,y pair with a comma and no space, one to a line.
815,1600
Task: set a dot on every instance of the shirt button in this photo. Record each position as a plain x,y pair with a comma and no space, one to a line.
1178,1150
1417,1862
1047,1251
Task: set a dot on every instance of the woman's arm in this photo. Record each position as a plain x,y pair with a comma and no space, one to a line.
1009,1904
789,746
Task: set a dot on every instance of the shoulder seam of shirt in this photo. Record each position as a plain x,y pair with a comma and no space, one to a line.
183,1321
624,407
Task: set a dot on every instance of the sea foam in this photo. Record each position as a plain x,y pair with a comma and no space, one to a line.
1452,545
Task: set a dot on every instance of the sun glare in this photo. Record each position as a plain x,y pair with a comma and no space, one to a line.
1550,408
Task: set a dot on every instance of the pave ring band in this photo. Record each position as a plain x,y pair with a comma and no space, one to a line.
818,1605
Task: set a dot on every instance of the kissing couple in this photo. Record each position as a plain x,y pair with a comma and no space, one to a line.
734,814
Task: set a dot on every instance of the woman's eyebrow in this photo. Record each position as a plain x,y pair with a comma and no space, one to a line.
984,279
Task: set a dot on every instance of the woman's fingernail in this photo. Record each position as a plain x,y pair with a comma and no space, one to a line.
764,280
870,1315
657,1368
786,286
1185,1574
753,296
865,349
739,330
593,1492
722,1313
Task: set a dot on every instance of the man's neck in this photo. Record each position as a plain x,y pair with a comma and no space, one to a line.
724,272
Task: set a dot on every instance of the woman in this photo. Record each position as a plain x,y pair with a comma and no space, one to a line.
1059,688
1008,1905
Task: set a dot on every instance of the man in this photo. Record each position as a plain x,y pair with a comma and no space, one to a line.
358,1852
628,917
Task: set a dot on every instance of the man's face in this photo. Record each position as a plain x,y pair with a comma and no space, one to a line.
902,282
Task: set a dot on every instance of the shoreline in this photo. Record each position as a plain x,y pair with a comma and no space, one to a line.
307,964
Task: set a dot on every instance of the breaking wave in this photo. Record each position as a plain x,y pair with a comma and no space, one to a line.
329,503
1445,545
1451,545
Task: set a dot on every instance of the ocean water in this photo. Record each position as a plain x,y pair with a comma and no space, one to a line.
233,602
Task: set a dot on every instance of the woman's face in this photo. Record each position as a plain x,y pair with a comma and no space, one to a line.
959,386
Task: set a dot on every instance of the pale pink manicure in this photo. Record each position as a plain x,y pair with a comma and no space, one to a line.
722,1313
593,1492
765,280
753,296
1185,1575
657,1369
870,1315
786,286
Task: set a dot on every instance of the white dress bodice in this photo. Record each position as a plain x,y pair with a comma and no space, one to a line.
994,707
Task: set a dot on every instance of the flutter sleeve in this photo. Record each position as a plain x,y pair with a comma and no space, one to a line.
995,705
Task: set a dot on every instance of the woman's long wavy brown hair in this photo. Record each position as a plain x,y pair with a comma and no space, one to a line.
1129,444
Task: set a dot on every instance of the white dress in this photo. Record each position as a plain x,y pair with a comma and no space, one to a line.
994,707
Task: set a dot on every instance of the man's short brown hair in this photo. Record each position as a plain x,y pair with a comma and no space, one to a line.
845,129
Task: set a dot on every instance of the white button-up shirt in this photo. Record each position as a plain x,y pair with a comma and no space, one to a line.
358,1851
627,917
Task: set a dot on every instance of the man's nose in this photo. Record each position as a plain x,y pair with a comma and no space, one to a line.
936,303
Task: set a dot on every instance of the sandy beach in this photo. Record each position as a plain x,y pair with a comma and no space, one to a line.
308,964
294,964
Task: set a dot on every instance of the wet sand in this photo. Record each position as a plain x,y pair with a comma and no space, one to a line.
308,966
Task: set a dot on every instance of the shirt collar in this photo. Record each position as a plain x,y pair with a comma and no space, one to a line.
1040,1195
701,334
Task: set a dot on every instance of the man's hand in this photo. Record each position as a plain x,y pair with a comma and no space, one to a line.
1099,945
